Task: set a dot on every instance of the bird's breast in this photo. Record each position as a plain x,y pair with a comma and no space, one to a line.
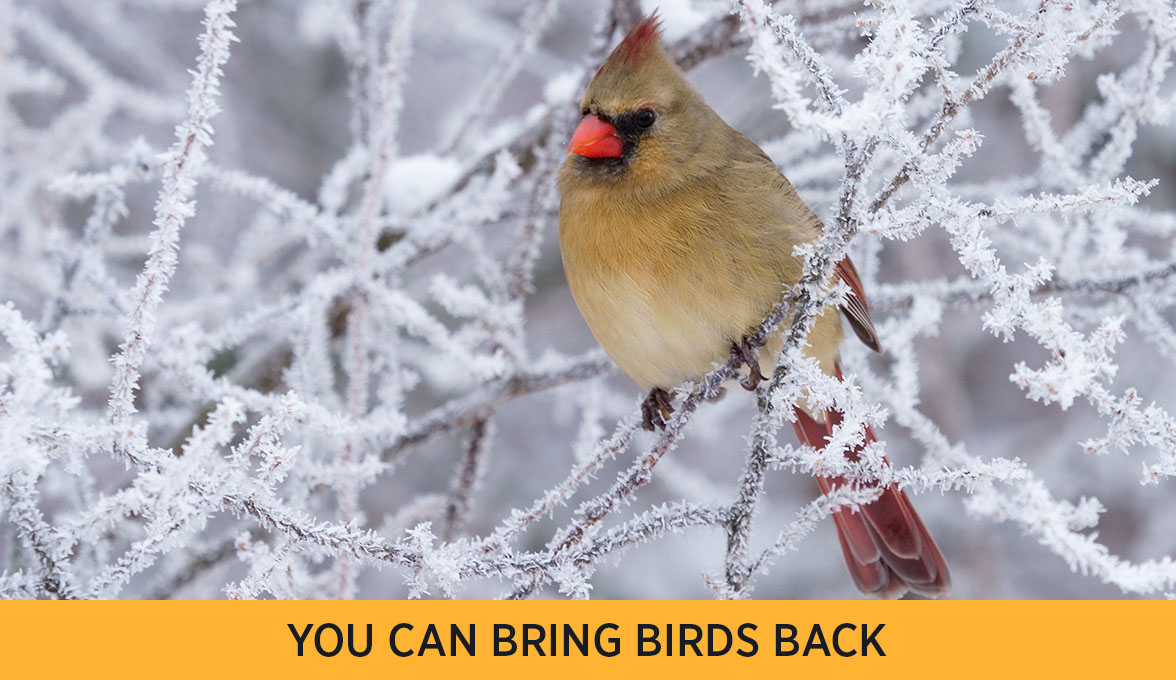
664,292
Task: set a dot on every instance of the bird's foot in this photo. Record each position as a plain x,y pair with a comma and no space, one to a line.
656,409
743,353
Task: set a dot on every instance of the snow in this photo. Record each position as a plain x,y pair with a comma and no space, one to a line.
413,182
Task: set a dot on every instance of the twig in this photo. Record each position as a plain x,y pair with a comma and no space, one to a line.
469,468
463,412
171,212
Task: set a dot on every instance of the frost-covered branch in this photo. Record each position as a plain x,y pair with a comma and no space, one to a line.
172,210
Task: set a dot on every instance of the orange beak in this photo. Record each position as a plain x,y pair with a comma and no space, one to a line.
595,138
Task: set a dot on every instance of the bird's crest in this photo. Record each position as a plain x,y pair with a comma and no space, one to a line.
641,40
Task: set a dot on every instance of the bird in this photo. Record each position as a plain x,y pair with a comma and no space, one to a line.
678,236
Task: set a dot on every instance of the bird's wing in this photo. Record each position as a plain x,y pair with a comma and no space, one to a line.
794,211
856,308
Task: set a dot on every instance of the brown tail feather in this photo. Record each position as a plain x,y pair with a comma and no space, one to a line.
869,577
889,516
886,546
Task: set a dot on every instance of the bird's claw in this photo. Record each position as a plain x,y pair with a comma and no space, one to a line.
743,353
656,409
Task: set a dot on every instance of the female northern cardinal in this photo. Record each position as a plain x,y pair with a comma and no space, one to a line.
677,234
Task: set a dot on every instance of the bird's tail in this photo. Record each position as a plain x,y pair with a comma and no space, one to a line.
886,547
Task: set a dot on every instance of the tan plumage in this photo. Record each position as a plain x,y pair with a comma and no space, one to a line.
662,279
677,239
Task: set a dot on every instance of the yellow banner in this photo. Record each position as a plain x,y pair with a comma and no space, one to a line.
583,639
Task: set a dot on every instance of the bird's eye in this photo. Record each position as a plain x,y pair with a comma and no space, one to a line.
645,117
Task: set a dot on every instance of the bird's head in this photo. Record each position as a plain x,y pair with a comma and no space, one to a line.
643,123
